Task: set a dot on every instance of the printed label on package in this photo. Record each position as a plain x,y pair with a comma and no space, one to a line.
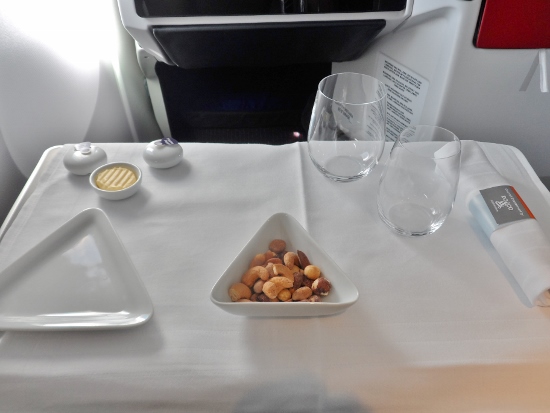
168,141
505,204
406,95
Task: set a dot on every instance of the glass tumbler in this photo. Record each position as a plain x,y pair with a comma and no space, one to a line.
348,126
419,182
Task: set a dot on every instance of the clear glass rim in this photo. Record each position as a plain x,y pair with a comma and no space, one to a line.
399,141
384,88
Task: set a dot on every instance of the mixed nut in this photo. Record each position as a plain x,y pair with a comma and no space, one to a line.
279,275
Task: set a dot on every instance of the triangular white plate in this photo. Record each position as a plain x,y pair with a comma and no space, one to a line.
79,277
283,226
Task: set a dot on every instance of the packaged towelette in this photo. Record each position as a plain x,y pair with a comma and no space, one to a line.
508,222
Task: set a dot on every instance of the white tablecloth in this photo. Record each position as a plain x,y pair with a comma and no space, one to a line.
440,325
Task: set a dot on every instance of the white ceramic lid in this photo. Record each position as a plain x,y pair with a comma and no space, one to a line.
163,153
84,158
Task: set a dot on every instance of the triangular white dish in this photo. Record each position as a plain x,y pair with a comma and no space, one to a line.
283,226
79,277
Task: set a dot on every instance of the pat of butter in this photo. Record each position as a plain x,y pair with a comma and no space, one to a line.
115,179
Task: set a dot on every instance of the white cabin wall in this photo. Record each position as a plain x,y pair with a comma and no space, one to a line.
11,179
473,92
68,74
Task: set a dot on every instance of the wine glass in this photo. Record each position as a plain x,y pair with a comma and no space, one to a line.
419,182
348,126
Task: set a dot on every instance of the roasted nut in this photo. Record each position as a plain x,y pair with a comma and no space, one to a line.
301,293
312,272
321,286
259,259
283,270
238,291
250,277
284,295
290,259
258,286
243,300
296,269
304,260
278,275
274,286
298,278
281,281
269,254
270,290
277,246
281,255
306,282
270,272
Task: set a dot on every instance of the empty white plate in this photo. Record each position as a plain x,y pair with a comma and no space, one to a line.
285,227
79,277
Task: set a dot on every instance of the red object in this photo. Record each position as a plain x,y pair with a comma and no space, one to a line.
514,24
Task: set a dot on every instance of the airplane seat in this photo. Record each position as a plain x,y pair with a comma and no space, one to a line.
247,72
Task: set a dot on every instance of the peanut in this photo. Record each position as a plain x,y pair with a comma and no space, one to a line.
312,272
284,295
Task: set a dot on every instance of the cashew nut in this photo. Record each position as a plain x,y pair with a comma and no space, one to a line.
284,271
275,285
250,277
238,291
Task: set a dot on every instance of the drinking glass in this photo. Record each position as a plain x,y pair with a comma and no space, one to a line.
348,126
418,185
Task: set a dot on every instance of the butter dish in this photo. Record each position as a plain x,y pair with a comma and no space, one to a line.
114,193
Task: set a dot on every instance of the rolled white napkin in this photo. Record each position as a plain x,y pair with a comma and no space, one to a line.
522,245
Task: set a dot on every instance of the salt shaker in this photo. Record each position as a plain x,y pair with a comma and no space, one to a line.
84,158
163,153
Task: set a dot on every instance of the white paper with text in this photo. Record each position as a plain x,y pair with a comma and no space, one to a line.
406,95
